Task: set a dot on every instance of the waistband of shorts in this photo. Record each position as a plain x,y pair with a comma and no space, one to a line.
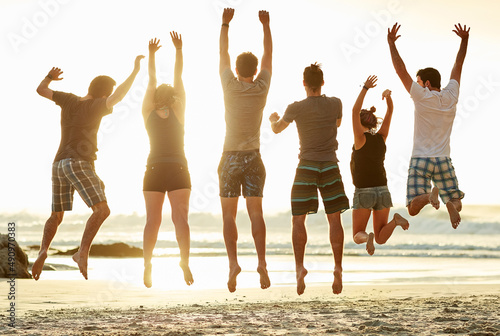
243,152
379,188
73,159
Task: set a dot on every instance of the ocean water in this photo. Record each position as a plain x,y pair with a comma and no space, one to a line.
430,251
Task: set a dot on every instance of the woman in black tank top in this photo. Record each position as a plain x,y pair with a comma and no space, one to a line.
368,173
163,113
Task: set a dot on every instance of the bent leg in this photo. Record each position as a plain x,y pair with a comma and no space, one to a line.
383,229
254,208
229,210
337,243
360,219
179,201
299,241
49,232
154,205
99,214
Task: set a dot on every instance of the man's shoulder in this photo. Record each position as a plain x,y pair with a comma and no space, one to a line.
63,98
452,85
264,75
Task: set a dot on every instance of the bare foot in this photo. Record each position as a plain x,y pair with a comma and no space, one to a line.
401,221
337,281
148,280
233,273
301,285
454,215
434,198
37,267
370,246
264,277
82,263
188,276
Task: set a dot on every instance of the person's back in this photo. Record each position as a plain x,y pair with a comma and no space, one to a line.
316,118
434,115
80,120
244,104
367,162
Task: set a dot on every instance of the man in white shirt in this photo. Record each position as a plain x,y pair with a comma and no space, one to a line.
435,110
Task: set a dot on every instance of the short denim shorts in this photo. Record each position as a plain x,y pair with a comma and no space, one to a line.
376,198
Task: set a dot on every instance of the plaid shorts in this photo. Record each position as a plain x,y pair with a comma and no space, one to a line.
311,176
71,174
440,171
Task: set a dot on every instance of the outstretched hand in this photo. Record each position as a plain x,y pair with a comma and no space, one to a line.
392,33
227,16
386,94
176,39
274,117
154,45
463,33
137,63
54,74
264,17
370,82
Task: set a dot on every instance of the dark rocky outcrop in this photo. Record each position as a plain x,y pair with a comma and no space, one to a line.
17,266
117,250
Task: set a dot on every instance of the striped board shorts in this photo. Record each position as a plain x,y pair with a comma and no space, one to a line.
69,175
439,170
311,176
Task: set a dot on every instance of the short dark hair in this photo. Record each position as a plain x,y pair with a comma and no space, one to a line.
431,75
246,64
101,86
313,76
368,118
164,96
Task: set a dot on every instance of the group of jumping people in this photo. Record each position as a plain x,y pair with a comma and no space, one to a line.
241,170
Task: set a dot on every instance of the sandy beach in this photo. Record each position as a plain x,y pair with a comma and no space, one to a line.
55,307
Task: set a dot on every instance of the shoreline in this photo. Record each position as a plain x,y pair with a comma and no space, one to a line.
56,307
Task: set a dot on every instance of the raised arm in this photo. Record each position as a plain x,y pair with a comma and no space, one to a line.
463,33
148,102
267,57
386,124
122,90
357,127
180,104
225,61
179,64
277,123
397,61
43,88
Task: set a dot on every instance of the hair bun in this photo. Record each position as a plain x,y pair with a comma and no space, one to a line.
316,66
373,109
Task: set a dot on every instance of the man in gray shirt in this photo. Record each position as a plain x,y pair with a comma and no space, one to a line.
241,167
317,118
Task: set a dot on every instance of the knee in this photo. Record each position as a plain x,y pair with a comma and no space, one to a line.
411,211
298,221
57,217
180,220
102,210
357,237
380,241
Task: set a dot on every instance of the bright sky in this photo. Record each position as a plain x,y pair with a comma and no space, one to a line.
91,37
